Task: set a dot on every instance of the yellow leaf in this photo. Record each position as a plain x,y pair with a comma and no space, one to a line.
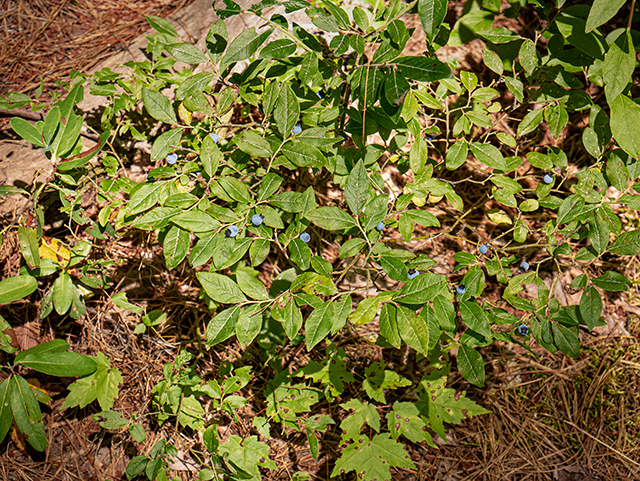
54,250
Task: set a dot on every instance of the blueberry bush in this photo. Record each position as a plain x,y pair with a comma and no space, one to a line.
298,177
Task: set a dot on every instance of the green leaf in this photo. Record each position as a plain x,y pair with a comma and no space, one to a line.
251,286
221,288
431,13
63,290
185,52
539,160
51,124
14,288
222,326
194,85
566,339
363,413
244,45
395,268
413,329
318,324
300,253
598,233
423,69
281,48
488,155
498,35
530,122
628,244
365,312
165,143
253,144
371,459
161,25
389,325
195,221
102,385
475,317
26,412
236,189
28,241
601,12
331,218
356,188
590,307
612,281
619,64
457,155
421,289
573,30
6,416
158,106
248,325
63,364
27,131
248,454
493,61
405,420
303,154
471,365
625,124
287,110
110,419
375,211
175,247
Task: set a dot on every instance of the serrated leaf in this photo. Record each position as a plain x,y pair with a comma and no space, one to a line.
404,419
158,106
488,155
423,69
248,454
221,288
318,324
413,330
421,289
287,110
365,312
356,188
102,386
601,12
222,326
253,144
471,365
331,218
363,413
185,52
625,124
590,307
389,325
371,459
395,268
612,281
175,246
628,244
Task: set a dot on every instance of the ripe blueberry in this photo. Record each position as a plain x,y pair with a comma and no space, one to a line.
483,249
297,129
524,266
461,289
380,226
215,137
305,237
150,178
523,329
172,158
548,179
413,273
256,219
320,94
232,231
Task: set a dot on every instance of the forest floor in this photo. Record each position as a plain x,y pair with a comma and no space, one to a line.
553,418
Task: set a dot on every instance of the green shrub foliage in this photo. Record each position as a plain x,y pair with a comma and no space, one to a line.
333,158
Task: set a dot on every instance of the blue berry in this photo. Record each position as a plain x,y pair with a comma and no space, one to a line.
429,136
172,158
297,129
320,94
305,237
232,231
524,266
461,289
523,329
484,248
150,178
380,226
215,137
256,219
413,273
548,179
